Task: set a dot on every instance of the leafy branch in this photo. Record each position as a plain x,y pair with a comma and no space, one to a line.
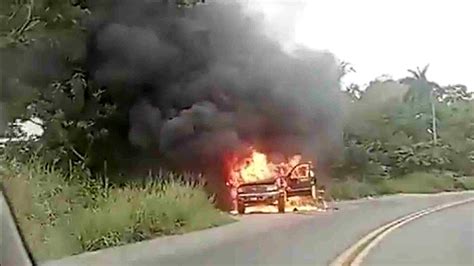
30,21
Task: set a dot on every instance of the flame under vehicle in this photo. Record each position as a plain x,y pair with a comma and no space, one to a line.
299,181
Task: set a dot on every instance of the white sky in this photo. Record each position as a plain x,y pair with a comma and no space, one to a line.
382,37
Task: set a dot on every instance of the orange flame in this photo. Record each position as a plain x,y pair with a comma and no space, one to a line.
257,167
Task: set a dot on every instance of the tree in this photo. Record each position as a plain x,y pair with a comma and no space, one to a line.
453,93
457,130
82,121
422,93
47,43
386,129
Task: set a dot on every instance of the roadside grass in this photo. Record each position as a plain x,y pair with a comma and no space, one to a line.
63,214
351,189
418,182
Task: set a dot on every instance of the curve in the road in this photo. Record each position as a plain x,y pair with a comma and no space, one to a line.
442,238
356,253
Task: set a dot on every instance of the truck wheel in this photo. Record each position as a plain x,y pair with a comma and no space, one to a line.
281,204
314,192
240,208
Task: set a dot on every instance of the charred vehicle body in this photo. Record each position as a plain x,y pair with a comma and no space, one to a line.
299,181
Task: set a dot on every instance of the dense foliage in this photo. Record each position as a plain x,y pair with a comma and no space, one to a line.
393,127
399,127
43,45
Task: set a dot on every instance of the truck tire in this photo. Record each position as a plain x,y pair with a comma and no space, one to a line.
314,192
240,207
281,204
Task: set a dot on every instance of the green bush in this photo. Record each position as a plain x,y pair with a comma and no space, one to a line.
60,215
465,183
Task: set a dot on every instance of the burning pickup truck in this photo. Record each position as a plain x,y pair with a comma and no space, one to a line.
258,193
269,184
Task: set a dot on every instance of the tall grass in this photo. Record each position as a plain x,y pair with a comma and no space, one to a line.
419,182
62,214
351,189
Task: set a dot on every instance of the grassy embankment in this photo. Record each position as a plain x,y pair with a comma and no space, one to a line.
61,214
412,183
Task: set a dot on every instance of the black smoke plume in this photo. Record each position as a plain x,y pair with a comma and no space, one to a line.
205,82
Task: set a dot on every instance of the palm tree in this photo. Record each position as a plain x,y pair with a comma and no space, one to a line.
421,89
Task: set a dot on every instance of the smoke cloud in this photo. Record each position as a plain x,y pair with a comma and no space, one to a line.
203,82
3,122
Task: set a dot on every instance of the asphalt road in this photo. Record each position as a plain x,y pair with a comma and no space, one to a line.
272,239
12,250
443,238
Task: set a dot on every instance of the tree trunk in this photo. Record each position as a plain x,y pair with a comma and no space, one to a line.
433,114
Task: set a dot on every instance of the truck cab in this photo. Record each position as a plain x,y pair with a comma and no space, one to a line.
301,181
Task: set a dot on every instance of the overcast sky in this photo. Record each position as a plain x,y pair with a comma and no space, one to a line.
381,36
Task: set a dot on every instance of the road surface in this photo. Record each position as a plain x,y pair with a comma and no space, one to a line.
443,238
12,249
272,239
